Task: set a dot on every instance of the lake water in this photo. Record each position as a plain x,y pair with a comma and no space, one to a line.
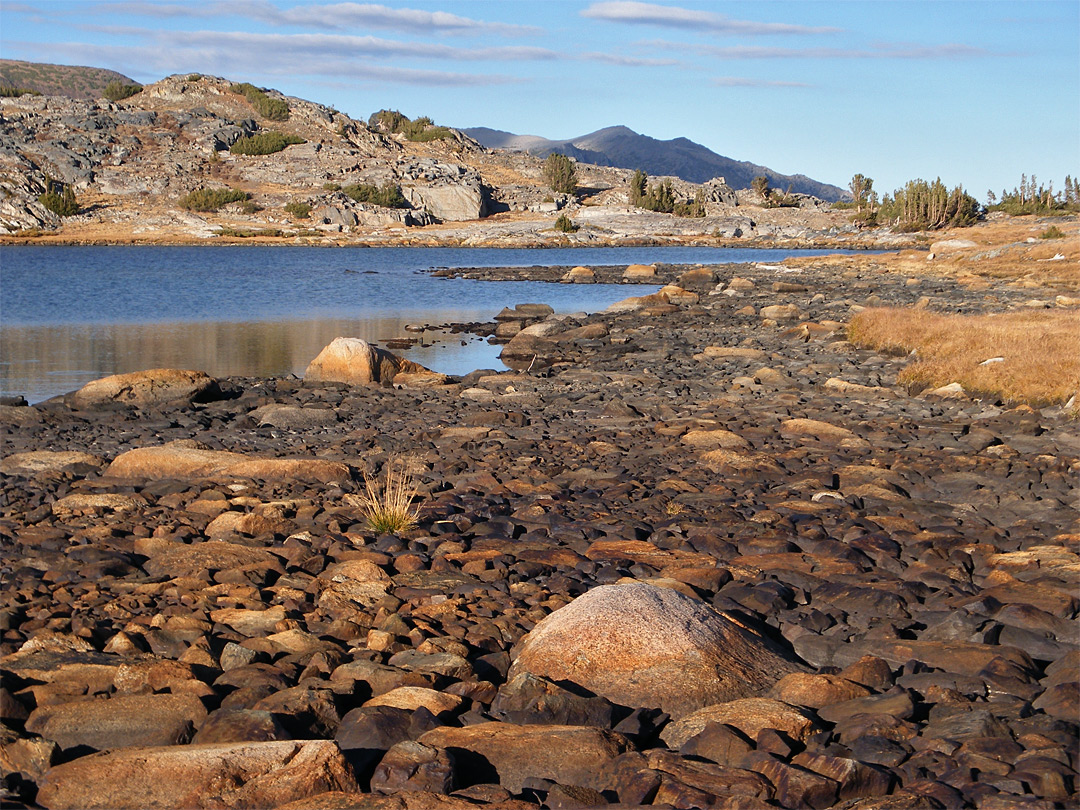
69,315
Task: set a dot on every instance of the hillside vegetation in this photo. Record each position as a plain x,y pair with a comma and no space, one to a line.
78,82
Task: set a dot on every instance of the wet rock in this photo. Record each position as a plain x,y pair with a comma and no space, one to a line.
683,655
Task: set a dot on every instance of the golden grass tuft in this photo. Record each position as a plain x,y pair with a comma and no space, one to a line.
388,505
1040,351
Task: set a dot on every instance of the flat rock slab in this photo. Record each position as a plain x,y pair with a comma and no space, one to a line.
182,460
642,646
213,555
36,461
232,775
119,722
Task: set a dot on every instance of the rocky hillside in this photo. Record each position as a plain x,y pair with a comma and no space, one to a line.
680,157
132,165
73,81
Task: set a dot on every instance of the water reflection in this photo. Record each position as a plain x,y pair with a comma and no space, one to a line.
45,361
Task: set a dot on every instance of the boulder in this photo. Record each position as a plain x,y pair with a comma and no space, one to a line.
450,202
639,273
159,386
781,312
356,362
748,715
187,459
291,417
127,720
643,646
36,461
510,754
580,275
238,775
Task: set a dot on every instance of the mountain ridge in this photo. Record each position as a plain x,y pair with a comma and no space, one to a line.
73,81
621,147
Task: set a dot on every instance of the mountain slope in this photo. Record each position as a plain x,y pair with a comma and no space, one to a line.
680,157
83,83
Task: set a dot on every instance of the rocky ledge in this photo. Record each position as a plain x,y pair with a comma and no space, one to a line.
706,553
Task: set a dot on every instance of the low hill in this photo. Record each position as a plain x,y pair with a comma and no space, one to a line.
73,81
680,157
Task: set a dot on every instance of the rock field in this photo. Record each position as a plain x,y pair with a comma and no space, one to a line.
702,553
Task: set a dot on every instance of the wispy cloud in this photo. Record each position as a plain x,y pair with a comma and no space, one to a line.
324,16
637,13
877,51
151,61
739,81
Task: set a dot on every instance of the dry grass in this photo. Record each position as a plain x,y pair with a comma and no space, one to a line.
388,506
1041,351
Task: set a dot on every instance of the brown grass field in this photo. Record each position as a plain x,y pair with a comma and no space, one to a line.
1040,351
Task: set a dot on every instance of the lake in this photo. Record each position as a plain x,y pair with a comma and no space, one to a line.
69,315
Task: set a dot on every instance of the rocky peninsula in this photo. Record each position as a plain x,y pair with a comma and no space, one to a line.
700,551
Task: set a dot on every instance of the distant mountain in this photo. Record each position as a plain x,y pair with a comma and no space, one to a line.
623,148
83,83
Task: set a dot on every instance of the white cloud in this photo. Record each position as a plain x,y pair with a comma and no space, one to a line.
881,51
637,13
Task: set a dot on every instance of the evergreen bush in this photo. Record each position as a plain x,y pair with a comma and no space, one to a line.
274,109
117,90
388,196
560,173
264,143
63,202
211,199
566,225
300,210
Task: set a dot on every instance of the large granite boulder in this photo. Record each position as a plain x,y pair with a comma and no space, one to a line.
643,646
357,362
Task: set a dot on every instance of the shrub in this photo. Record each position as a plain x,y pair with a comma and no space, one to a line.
274,109
388,196
560,173
922,206
211,199
389,508
1053,232
248,207
331,186
116,90
565,224
420,130
300,210
194,77
264,143
63,202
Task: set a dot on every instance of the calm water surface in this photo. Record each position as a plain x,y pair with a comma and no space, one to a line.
69,315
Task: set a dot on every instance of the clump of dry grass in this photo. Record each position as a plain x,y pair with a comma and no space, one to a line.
1040,351
388,505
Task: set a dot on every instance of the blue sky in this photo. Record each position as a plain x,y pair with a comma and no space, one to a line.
974,92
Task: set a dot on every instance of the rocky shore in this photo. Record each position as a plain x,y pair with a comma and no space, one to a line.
703,553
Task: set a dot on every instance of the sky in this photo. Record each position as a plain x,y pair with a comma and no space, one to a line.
976,93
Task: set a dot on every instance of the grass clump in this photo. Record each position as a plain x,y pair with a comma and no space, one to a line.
264,143
566,225
388,506
1053,232
211,199
117,90
388,195
274,109
1040,364
300,210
